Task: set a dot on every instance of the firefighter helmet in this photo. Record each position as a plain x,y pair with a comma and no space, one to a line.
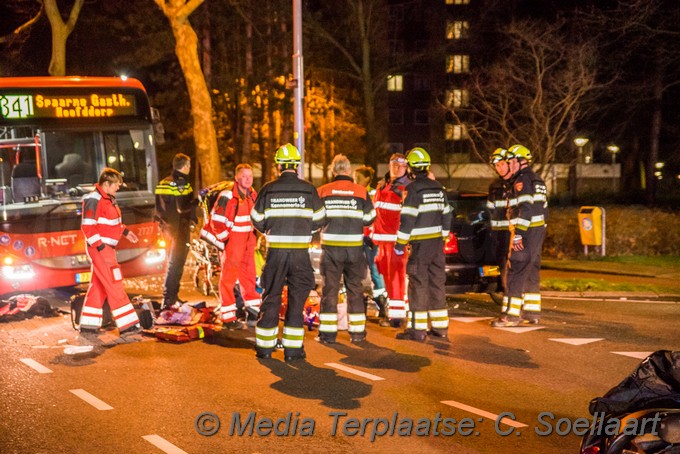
418,158
520,151
499,154
287,154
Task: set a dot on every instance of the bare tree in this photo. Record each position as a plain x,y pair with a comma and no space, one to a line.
60,32
533,94
186,48
22,10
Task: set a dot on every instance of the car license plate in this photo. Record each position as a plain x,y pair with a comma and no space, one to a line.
489,271
83,277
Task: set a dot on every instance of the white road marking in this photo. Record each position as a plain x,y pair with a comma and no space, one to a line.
578,341
35,365
354,371
90,399
520,329
163,444
638,355
469,319
483,413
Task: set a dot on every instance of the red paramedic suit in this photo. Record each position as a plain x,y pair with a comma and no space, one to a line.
102,226
387,202
230,223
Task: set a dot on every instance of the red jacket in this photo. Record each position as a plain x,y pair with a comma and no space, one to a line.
231,214
102,220
387,202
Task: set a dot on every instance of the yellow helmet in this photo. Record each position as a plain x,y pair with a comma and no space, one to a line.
418,158
287,154
520,151
499,154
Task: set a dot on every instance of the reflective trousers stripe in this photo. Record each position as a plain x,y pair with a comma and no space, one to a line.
228,313
515,306
293,337
266,337
357,323
396,309
420,320
328,322
439,318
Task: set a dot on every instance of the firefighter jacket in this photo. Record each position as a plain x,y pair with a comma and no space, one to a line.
426,213
387,201
175,201
497,204
231,213
288,210
102,220
528,201
348,210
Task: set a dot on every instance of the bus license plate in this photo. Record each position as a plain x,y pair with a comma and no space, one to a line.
489,271
83,277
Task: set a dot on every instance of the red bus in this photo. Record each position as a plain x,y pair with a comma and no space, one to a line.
56,135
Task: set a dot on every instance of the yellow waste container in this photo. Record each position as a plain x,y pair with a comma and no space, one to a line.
590,225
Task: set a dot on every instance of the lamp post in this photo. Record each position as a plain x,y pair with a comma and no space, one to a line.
613,149
581,142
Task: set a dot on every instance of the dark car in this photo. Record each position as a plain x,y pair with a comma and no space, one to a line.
470,254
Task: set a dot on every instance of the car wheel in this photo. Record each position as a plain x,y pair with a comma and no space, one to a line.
497,297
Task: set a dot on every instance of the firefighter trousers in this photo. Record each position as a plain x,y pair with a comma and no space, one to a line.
348,264
427,285
238,263
523,286
291,267
106,285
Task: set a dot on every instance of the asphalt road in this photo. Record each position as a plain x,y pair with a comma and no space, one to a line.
143,396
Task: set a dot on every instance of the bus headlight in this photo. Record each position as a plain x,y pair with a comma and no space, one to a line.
154,256
17,272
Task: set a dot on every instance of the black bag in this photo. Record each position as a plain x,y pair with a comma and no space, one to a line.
77,302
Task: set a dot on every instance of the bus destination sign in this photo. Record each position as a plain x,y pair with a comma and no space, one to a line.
94,105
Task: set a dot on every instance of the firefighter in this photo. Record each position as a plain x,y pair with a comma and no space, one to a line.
364,176
176,212
497,204
528,213
348,210
230,223
103,227
425,222
287,210
387,202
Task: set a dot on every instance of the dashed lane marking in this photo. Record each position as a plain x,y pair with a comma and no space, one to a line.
638,355
163,444
35,365
484,413
469,319
520,329
354,371
90,399
578,341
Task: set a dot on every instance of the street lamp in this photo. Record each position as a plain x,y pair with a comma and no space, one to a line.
613,149
580,142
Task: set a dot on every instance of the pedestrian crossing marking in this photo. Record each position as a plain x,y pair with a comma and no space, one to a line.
519,329
578,341
35,365
469,319
90,399
483,413
163,444
638,355
354,371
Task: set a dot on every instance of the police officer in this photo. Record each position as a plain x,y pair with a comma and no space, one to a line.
348,210
287,210
176,211
528,213
497,204
425,222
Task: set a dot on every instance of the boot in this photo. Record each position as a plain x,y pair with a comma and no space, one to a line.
381,302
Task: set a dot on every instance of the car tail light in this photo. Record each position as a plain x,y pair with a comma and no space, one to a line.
451,244
590,450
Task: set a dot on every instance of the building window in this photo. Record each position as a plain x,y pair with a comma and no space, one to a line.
455,132
458,64
457,98
457,2
457,29
395,148
395,82
421,83
396,117
396,12
421,117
